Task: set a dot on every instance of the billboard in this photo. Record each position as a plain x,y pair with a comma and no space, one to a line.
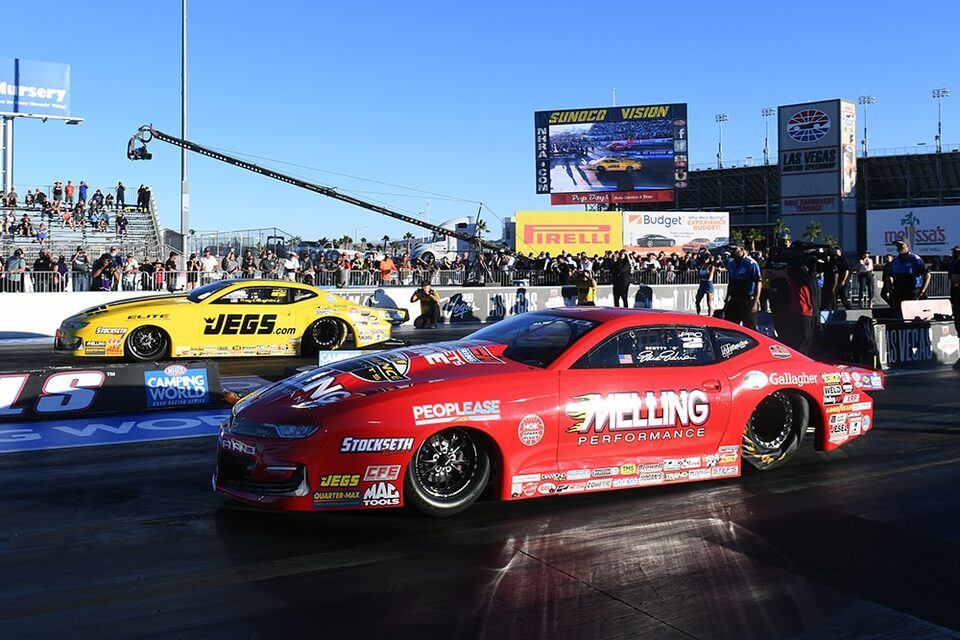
635,154
817,148
593,232
31,88
930,231
674,231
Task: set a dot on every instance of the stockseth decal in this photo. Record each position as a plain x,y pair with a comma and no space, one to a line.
382,494
439,413
375,445
531,429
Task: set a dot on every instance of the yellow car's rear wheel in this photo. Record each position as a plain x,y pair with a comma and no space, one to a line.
326,334
147,343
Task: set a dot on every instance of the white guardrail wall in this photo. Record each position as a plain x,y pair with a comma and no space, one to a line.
41,313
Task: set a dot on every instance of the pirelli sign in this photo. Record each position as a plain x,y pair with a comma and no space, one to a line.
574,231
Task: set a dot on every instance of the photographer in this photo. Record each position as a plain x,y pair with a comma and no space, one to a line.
429,299
586,289
106,274
80,265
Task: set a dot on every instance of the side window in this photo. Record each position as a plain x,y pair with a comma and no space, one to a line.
669,346
256,295
729,343
296,295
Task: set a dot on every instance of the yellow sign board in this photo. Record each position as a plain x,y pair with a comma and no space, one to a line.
592,232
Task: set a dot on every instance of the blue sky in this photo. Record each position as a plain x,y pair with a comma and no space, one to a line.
427,107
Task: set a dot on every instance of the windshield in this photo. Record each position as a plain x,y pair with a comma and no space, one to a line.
534,338
207,290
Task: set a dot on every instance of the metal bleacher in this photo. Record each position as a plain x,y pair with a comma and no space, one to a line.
142,238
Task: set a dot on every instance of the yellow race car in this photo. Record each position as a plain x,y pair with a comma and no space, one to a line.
616,163
226,318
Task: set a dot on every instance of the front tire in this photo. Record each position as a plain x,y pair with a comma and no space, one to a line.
326,334
775,429
146,344
447,473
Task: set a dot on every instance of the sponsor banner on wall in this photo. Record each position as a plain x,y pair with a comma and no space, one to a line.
612,154
114,388
930,231
674,231
29,87
917,345
553,231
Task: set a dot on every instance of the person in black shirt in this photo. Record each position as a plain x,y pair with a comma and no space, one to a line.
621,279
843,279
170,269
953,271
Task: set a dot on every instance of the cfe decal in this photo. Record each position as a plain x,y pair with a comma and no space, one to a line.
630,411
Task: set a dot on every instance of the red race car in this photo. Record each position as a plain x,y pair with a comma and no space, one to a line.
550,402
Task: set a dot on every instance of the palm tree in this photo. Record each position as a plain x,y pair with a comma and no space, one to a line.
345,241
395,247
830,240
780,227
323,241
481,227
736,236
753,237
409,238
364,244
386,240
814,231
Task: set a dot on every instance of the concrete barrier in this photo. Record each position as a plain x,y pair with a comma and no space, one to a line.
42,313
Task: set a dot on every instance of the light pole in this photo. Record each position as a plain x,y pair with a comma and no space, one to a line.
865,100
356,234
940,94
720,118
766,113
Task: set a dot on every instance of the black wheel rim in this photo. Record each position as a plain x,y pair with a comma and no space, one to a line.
772,421
146,342
326,333
446,463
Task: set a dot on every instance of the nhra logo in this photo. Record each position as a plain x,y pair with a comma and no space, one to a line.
232,324
382,494
808,125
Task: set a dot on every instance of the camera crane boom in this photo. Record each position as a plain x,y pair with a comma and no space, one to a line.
137,150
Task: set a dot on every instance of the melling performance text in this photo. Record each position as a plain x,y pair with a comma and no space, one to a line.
668,414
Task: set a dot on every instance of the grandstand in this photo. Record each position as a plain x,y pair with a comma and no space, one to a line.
142,239
886,179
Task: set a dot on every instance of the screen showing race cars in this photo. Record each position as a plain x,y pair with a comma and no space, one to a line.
604,155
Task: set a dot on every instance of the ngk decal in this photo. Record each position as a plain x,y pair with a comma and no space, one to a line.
531,430
381,472
382,494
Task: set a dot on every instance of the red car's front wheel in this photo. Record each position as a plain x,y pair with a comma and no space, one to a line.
448,473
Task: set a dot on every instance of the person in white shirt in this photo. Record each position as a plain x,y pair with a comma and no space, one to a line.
865,275
131,269
209,265
291,267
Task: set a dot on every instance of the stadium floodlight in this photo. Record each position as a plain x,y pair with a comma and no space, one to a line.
940,94
766,113
720,118
865,100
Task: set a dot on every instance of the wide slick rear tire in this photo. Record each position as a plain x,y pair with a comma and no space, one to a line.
447,473
775,430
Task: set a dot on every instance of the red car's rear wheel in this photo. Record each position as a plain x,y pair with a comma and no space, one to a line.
775,429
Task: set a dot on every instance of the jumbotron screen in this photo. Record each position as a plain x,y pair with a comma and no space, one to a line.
612,155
